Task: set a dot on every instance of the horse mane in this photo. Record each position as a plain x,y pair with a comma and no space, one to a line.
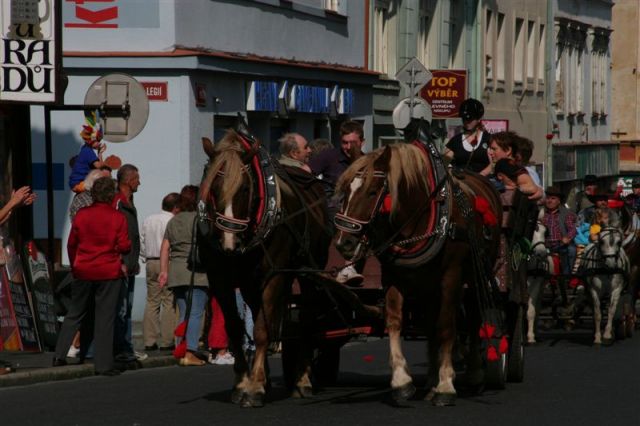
228,160
407,170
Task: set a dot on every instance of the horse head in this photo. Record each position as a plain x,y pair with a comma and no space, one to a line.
390,180
230,191
610,246
537,241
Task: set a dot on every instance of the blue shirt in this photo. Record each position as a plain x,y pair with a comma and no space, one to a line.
83,165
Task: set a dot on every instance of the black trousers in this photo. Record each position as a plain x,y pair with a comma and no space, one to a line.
93,308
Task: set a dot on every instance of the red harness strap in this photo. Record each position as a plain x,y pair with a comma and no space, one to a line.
260,178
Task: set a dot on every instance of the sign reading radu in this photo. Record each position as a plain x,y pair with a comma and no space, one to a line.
29,51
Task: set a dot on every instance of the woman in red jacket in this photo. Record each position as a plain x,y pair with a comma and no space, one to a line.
96,243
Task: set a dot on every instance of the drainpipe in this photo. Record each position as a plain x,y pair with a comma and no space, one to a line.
550,55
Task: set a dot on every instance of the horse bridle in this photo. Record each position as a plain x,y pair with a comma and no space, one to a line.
231,224
354,226
606,232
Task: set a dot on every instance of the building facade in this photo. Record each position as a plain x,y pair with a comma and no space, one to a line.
284,65
625,42
579,98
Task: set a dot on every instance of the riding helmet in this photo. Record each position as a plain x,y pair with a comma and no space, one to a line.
471,109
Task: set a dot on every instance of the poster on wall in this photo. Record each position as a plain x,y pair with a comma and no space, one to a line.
29,51
445,92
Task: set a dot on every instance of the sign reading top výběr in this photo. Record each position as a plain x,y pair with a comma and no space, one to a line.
445,92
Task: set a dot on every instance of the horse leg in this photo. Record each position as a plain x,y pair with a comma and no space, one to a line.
303,387
445,392
267,317
401,382
535,287
473,358
617,282
597,313
234,327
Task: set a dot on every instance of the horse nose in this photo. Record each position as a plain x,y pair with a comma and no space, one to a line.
346,246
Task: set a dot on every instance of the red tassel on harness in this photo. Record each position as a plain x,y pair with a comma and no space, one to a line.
386,205
481,206
492,354
615,204
504,345
487,330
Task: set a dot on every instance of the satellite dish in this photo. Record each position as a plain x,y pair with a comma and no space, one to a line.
123,106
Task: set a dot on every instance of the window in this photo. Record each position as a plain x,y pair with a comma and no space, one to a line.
570,68
427,38
381,37
531,51
599,68
456,32
518,51
489,51
541,54
499,61
338,6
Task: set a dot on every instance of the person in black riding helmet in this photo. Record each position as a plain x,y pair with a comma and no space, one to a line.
469,149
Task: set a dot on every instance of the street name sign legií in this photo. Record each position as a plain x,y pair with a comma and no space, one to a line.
29,51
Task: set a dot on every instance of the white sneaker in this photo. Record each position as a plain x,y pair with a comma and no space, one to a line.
226,359
349,275
73,352
140,356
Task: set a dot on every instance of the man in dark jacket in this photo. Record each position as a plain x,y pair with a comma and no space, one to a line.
97,241
128,182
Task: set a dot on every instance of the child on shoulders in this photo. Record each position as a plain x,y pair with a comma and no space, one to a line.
87,159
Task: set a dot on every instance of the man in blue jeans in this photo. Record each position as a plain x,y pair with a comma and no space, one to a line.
128,183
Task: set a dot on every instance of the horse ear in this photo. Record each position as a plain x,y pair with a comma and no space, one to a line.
541,213
207,146
249,154
382,162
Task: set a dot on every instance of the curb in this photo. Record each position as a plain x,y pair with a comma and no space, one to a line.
70,372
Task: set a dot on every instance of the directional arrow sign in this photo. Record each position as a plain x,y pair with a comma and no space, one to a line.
414,75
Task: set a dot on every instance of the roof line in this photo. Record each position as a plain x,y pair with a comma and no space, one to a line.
183,52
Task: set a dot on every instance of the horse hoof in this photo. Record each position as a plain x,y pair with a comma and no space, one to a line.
237,395
443,399
252,400
404,392
302,392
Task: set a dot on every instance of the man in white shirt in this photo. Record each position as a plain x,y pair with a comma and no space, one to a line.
159,314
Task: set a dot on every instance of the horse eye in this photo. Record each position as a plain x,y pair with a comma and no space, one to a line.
372,194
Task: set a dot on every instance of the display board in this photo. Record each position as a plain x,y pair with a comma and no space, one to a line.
17,323
39,284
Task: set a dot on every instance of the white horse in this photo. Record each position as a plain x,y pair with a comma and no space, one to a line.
606,267
539,268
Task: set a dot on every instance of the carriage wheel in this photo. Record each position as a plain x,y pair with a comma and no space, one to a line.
495,375
515,366
326,364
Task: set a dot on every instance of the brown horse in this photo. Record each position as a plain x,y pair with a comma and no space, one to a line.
400,171
254,241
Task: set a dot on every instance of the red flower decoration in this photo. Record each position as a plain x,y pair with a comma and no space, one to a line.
492,354
549,136
487,330
504,345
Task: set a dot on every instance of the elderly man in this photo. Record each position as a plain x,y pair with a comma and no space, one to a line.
294,151
84,199
128,183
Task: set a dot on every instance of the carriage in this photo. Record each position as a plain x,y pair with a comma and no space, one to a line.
598,291
435,234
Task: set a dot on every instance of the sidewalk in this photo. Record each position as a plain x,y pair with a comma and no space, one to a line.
32,367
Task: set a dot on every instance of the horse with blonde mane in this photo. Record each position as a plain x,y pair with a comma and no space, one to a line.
388,207
257,230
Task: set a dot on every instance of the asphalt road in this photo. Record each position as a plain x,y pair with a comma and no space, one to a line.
568,382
